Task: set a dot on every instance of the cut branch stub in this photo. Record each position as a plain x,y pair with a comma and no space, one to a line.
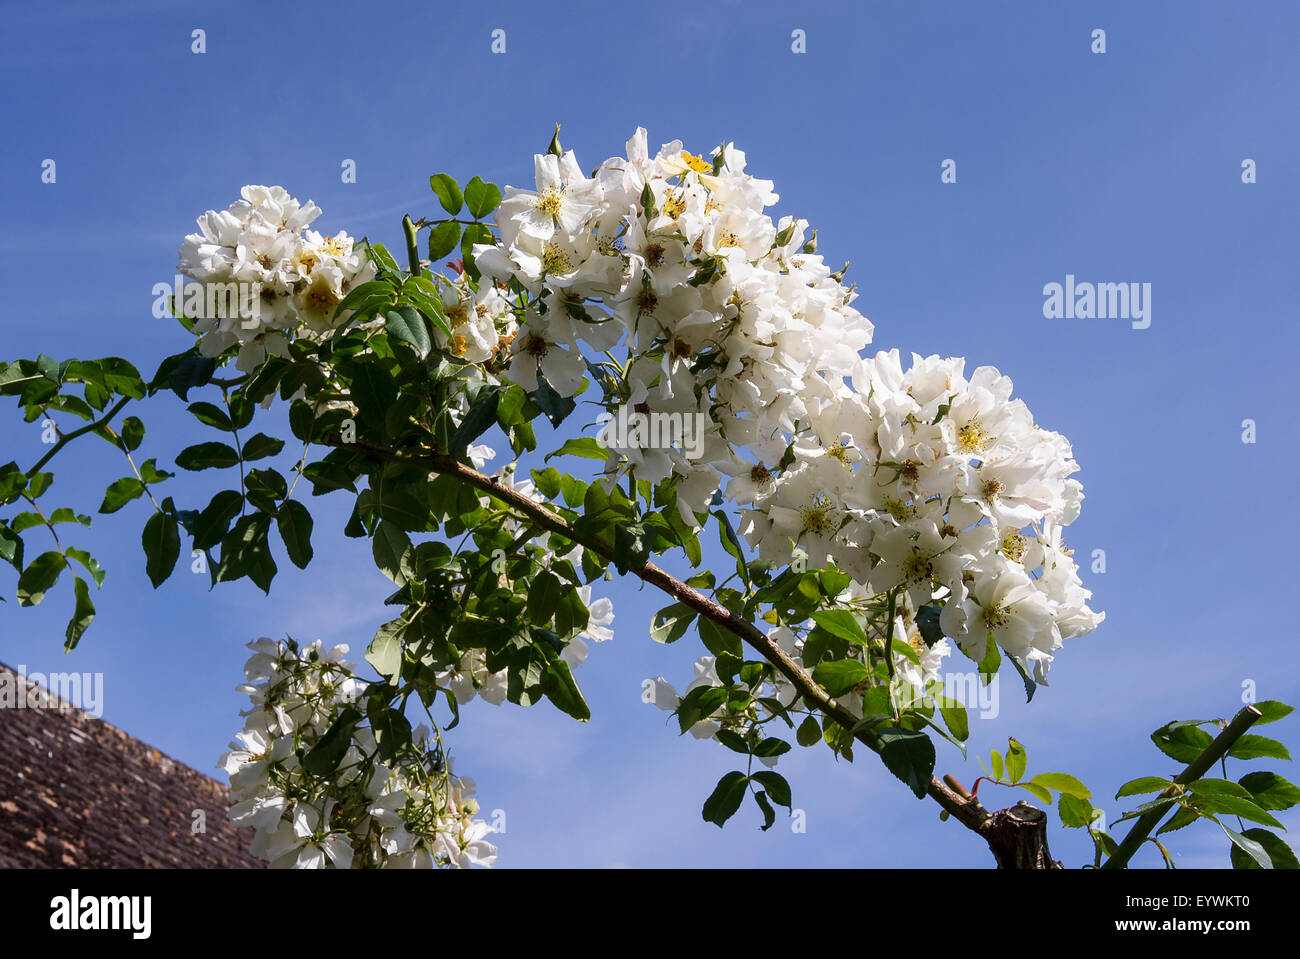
1018,838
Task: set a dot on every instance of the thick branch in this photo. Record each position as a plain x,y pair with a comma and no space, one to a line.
1018,838
965,810
1197,768
410,231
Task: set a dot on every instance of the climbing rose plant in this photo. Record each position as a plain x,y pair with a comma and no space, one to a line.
882,515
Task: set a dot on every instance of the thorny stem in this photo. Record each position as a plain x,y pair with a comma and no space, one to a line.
967,811
412,244
1194,771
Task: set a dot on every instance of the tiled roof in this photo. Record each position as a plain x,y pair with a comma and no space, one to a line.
78,792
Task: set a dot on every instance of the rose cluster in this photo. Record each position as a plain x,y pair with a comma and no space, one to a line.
278,278
367,813
921,482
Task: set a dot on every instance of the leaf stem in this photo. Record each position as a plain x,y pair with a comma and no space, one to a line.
66,438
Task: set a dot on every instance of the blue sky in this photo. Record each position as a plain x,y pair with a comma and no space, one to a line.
1115,167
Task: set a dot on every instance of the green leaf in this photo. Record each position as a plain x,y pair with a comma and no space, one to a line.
91,564
561,689
1258,747
809,732
1271,711
1275,848
385,650
671,623
190,372
648,201
841,675
324,757
295,523
1040,792
1017,759
81,616
481,198
725,798
720,642
955,718
543,598
772,746
555,406
631,547
1019,663
370,296
1161,803
245,551
209,414
65,514
481,415
203,456
162,546
39,577
448,192
260,446
443,239
1143,784
731,543
776,786
214,520
132,433
391,728
409,326
1063,783
909,756
1250,847
1180,741
769,814
120,492
121,377
393,552
11,547
1234,806
841,623
150,473
992,661
547,481
38,484
25,521
583,446
927,623
1218,787
1074,812
474,233
700,703
12,482
1270,791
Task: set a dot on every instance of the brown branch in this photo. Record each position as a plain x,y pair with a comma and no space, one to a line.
1197,768
1018,838
964,809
